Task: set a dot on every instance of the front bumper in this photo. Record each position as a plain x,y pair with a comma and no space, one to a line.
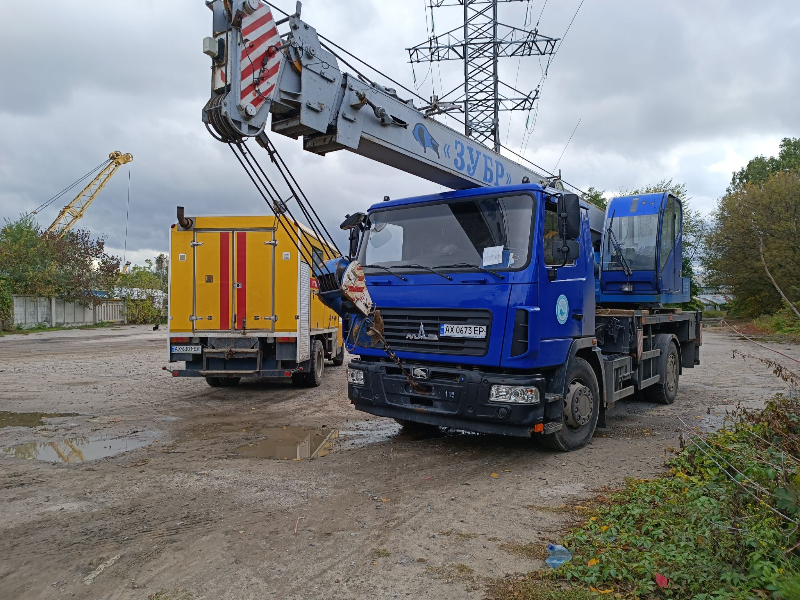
457,398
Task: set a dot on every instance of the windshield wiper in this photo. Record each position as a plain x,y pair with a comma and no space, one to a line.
621,260
387,269
424,268
471,266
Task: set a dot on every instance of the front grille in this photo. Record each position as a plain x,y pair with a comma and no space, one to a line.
400,322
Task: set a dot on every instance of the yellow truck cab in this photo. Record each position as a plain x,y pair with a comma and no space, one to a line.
243,301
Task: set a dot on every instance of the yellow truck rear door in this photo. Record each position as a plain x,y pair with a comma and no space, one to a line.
253,286
213,290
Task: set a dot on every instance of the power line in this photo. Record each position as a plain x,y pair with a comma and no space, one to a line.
565,147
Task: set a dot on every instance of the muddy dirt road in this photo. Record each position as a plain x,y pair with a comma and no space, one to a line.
190,505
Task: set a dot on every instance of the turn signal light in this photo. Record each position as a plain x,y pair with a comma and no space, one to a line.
180,340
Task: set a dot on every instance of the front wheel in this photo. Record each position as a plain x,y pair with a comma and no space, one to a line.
665,392
581,409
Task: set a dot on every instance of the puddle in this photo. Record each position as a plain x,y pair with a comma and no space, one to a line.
292,443
13,419
79,449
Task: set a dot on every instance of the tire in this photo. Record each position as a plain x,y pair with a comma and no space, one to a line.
299,379
583,403
214,381
418,428
665,393
338,360
313,378
229,381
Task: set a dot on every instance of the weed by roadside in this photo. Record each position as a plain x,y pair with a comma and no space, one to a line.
166,594
725,523
46,328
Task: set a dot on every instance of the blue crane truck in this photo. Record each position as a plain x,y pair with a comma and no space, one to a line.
516,314
506,306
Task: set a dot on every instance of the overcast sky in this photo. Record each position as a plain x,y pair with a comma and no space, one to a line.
681,89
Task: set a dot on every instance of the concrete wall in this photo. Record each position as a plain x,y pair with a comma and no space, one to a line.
30,311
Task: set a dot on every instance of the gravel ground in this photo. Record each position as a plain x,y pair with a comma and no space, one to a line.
386,515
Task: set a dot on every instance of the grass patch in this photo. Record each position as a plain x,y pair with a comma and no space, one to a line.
458,573
380,553
462,535
165,594
532,587
47,329
529,551
722,524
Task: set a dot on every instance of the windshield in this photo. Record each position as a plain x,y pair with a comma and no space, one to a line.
637,237
484,232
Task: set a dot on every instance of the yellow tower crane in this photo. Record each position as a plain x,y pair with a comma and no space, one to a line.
76,209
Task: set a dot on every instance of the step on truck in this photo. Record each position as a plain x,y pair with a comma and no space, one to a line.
244,304
506,306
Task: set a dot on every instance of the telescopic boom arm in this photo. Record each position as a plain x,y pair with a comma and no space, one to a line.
258,72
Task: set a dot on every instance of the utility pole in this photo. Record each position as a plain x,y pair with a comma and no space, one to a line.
483,41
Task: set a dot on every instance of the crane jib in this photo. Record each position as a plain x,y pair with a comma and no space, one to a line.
297,81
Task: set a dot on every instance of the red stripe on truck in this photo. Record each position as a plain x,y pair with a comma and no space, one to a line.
224,280
241,278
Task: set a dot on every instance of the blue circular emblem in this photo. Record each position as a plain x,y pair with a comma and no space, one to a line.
562,309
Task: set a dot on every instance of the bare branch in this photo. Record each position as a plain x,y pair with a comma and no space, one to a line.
772,279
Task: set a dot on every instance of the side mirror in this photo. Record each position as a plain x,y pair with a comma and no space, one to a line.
565,250
353,221
355,224
569,217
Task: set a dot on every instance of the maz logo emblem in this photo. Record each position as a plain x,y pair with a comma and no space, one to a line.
421,335
421,373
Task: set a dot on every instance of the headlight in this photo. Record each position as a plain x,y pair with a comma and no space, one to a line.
355,376
516,394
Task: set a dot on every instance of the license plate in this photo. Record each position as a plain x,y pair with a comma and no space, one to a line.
462,331
187,349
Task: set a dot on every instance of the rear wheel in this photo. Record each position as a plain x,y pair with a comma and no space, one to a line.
213,381
666,392
581,409
229,381
338,360
314,376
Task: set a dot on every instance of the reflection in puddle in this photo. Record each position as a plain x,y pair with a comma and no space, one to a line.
78,449
292,443
13,419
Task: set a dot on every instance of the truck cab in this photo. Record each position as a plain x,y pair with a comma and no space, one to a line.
488,299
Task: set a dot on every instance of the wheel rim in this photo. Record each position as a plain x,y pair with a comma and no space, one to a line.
672,373
578,405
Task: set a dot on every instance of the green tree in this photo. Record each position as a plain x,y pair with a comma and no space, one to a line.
760,169
73,267
595,196
694,229
6,306
145,287
758,212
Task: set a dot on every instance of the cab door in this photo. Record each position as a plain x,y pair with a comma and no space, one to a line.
212,281
253,284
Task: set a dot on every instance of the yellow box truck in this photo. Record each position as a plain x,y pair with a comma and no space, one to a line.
243,301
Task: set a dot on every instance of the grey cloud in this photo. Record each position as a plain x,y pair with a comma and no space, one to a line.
662,90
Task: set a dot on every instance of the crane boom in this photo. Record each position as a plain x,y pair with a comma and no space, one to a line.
73,211
257,72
